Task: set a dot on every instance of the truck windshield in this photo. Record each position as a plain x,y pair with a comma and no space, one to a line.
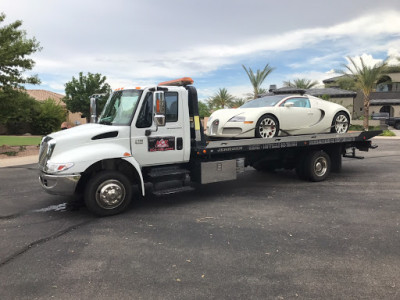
120,107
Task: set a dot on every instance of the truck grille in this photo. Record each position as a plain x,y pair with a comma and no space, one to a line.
45,151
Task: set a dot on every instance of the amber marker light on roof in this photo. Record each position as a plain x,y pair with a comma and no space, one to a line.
178,82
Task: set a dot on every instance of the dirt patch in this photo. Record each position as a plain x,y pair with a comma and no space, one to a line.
18,151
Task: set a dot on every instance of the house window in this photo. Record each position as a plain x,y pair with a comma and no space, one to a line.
384,84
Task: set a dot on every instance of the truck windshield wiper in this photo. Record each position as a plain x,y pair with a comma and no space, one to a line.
105,122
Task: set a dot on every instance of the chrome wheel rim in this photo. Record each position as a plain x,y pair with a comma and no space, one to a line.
320,166
341,124
110,194
267,128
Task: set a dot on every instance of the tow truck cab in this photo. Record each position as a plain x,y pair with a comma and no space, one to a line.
137,129
153,137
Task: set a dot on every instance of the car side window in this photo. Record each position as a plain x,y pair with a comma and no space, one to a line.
171,99
145,118
298,102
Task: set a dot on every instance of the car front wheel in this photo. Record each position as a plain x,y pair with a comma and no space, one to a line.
340,123
267,127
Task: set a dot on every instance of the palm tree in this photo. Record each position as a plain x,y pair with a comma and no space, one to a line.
221,99
258,78
238,102
260,91
366,78
301,83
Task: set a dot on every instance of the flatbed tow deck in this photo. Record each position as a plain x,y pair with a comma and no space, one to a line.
313,156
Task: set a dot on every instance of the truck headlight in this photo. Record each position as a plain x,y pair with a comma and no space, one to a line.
58,167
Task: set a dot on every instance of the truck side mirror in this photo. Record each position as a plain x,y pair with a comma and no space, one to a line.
93,109
159,108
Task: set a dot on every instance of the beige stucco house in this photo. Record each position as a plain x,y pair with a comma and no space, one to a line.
385,97
42,95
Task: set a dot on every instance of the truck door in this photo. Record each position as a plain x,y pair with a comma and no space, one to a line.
165,144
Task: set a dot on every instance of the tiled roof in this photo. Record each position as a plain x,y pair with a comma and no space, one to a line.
42,95
385,102
331,92
384,95
334,79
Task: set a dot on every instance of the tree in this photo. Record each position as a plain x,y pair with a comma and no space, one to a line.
301,83
221,99
258,78
260,91
78,92
347,83
17,111
365,80
50,117
204,110
14,49
238,102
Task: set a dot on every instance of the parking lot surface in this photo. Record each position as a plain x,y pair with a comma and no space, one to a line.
263,236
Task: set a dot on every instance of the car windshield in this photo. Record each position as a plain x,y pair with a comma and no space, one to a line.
264,101
120,107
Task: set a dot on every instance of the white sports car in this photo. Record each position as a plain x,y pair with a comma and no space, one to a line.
275,115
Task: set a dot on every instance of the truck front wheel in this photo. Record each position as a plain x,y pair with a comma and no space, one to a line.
108,193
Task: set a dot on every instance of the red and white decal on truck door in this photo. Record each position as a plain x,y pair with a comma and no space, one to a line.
161,143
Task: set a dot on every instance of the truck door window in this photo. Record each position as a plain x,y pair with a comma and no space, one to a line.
171,99
145,118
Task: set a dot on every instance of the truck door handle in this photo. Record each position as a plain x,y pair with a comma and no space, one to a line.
174,127
179,143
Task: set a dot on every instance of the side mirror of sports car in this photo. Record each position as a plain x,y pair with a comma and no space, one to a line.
289,104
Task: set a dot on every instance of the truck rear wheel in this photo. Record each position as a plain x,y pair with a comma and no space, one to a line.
317,166
108,193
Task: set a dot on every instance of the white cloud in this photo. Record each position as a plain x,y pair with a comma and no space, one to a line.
393,56
198,61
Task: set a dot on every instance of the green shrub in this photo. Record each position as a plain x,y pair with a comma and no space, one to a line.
50,117
387,133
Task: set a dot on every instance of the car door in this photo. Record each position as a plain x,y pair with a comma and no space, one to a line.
299,116
164,145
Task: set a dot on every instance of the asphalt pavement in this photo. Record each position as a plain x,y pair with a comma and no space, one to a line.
263,236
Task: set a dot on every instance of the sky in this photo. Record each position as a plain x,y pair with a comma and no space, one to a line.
140,43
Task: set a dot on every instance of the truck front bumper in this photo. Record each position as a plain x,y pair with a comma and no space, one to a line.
64,185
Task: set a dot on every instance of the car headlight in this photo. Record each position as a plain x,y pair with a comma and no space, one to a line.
209,119
237,119
58,167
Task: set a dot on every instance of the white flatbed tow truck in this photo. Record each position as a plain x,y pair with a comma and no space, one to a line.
153,137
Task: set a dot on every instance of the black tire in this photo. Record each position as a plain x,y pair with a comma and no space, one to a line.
108,193
317,166
340,123
397,125
267,127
